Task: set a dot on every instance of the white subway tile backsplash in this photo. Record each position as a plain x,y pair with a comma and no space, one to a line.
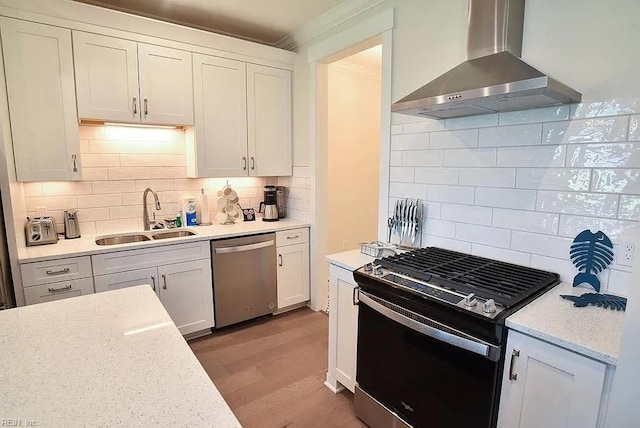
93,214
545,245
402,174
542,156
66,188
408,190
465,138
614,107
449,244
52,202
510,136
629,208
470,157
436,175
616,181
466,214
395,159
87,227
167,172
427,125
107,200
483,235
528,221
547,114
92,160
603,130
506,198
563,267
32,189
410,141
94,173
619,283
570,226
140,160
590,204
488,177
522,259
128,173
115,226
157,185
129,211
432,209
116,186
472,121
446,229
634,128
553,179
453,194
422,158
396,129
604,155
89,132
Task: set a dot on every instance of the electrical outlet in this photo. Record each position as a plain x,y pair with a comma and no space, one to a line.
626,254
41,211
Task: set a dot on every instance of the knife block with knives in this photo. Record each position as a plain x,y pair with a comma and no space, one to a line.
405,226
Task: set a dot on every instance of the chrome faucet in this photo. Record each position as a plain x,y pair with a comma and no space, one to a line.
145,211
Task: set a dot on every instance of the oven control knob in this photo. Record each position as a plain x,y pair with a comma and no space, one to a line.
368,267
378,270
489,307
470,301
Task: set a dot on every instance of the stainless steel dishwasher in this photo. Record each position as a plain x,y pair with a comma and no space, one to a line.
244,278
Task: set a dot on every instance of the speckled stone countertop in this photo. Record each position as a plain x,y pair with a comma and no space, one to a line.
87,245
106,359
350,260
591,331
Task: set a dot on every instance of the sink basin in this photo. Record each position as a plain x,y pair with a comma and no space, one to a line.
122,239
173,234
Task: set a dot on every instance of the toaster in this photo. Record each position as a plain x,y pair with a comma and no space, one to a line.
40,231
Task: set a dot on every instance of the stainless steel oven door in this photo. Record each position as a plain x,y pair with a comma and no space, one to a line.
426,373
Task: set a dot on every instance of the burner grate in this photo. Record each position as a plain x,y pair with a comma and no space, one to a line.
506,283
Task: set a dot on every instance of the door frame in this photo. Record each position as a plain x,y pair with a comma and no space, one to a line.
372,31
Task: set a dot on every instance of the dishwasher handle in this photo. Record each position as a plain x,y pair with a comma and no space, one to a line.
240,248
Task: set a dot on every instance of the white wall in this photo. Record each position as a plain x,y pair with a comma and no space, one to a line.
353,155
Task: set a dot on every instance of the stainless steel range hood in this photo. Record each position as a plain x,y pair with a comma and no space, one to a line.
494,78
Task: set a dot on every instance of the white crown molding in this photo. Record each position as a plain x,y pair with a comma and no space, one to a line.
332,18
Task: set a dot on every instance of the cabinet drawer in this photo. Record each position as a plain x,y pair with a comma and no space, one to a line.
291,237
58,291
122,261
55,270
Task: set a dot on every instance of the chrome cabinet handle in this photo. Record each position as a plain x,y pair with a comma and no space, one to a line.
244,163
279,259
135,107
515,353
63,288
293,237
146,108
253,163
75,163
57,272
153,280
164,282
354,296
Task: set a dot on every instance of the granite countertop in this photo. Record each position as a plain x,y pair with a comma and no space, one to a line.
590,331
105,359
350,260
87,245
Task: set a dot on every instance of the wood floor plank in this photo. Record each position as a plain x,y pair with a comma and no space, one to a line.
271,372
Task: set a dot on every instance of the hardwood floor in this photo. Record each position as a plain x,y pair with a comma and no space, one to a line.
271,372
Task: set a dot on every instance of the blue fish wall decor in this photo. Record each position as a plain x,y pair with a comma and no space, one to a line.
591,253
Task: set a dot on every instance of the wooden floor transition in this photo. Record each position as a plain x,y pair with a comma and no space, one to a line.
271,372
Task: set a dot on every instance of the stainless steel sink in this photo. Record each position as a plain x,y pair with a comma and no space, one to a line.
172,234
122,239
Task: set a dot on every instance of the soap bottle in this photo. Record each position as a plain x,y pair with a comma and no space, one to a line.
179,219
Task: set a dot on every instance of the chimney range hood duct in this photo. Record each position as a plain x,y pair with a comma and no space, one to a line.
494,78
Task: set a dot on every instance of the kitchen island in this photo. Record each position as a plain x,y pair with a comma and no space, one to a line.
105,359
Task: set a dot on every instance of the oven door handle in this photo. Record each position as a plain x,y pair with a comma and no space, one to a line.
459,340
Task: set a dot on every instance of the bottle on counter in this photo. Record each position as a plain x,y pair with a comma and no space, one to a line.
179,219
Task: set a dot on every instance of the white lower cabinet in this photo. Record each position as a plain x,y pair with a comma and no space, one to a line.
58,291
343,329
547,386
183,286
293,267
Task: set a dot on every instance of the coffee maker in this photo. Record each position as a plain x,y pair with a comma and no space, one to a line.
270,204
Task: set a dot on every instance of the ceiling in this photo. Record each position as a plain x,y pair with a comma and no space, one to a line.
263,21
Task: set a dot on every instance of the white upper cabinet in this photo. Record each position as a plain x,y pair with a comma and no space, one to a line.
124,81
106,77
166,85
40,86
269,119
220,95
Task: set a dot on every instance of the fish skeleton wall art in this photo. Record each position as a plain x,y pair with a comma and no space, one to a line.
591,253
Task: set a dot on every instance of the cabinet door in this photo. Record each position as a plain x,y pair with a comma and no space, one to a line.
343,327
218,147
58,291
553,387
187,294
106,77
269,120
132,278
166,85
42,102
293,275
